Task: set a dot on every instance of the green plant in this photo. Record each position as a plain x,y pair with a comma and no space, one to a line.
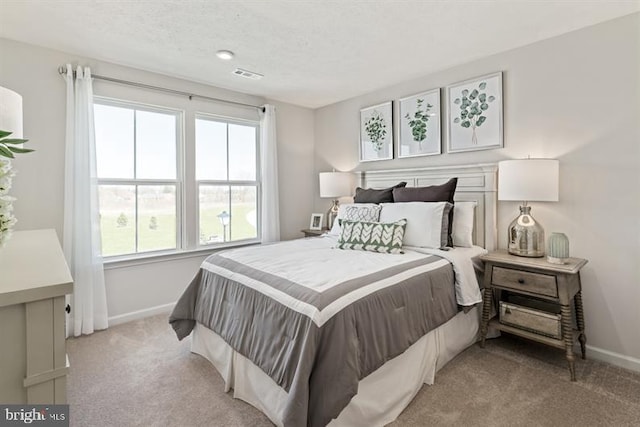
376,129
473,106
419,122
8,145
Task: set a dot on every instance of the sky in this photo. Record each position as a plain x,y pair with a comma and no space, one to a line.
155,146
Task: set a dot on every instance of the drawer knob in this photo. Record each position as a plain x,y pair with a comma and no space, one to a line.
67,308
521,281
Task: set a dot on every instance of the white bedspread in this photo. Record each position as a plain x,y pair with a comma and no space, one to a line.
289,260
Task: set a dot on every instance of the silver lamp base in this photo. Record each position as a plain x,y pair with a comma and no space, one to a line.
332,213
526,235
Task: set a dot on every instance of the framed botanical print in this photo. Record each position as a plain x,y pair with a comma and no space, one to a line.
419,133
475,114
376,132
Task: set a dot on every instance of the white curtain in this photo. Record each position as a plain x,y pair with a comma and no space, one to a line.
269,156
81,242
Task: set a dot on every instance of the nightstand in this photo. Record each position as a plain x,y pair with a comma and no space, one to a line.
314,233
533,298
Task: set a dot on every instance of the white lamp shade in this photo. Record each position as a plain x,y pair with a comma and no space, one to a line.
528,180
11,112
336,184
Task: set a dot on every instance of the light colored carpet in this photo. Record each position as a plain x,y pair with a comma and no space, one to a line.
138,374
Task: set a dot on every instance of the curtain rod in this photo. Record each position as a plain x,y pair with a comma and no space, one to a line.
62,70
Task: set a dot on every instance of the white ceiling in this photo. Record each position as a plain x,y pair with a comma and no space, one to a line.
312,52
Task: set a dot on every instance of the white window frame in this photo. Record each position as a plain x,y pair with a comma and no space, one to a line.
178,181
187,186
229,182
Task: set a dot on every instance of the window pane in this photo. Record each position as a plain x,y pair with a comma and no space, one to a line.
211,150
242,152
114,141
214,204
155,145
118,219
244,213
156,217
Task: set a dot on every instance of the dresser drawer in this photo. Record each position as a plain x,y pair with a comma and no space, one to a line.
542,284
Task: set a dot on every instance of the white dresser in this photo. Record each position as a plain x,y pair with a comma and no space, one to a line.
34,279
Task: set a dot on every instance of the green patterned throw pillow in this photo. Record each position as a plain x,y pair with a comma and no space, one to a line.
372,236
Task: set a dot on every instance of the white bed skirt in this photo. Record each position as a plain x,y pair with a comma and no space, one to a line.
401,378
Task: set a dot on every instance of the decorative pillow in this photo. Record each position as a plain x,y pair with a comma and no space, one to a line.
432,193
372,236
427,222
356,212
369,213
371,195
463,220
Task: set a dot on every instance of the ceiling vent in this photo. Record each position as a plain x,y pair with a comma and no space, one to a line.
248,74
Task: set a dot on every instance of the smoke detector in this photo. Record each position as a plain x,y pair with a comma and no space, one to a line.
247,74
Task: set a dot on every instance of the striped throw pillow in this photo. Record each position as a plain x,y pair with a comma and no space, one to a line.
372,236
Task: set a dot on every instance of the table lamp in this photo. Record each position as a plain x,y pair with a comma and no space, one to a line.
527,180
11,112
334,185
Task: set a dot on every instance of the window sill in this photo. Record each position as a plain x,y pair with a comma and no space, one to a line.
155,257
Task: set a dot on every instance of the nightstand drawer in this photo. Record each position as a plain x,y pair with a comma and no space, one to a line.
530,319
521,280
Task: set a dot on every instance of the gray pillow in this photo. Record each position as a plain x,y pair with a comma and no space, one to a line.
371,195
432,193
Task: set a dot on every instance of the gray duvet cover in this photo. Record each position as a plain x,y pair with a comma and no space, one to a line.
295,334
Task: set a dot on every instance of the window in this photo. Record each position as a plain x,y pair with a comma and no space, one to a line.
137,151
153,201
227,180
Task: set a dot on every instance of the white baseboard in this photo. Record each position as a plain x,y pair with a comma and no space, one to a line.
616,359
141,314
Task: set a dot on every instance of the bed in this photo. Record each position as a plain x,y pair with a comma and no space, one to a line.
311,335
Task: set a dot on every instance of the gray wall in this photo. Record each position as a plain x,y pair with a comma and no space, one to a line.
297,182
39,185
576,98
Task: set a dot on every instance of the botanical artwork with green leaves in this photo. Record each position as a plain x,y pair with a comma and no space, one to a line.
376,129
475,114
473,109
376,132
420,125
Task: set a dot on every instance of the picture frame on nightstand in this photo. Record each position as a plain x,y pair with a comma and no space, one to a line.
316,221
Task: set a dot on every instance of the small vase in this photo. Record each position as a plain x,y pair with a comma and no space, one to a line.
558,251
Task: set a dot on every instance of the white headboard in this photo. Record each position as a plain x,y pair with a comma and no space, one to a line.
475,183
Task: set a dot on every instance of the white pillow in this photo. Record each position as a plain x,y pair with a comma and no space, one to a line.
463,220
369,212
427,222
